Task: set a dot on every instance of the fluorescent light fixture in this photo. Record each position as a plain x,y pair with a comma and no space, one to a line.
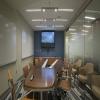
58,25
50,26
72,39
39,20
92,11
72,29
63,20
66,10
45,20
40,26
33,10
44,9
73,33
87,26
34,20
88,17
85,31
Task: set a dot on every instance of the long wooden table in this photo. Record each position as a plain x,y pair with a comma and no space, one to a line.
44,79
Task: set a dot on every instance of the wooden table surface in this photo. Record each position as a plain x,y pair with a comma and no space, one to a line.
44,78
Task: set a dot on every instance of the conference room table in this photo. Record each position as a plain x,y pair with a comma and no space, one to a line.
44,79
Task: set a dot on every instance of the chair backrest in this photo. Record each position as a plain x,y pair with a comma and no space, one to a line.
89,67
39,61
78,63
25,71
31,65
12,86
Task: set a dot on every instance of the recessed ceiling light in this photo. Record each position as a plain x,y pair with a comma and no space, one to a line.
67,10
87,26
43,10
63,20
55,9
88,17
32,10
84,31
72,29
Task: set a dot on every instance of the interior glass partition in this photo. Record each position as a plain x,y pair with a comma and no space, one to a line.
83,38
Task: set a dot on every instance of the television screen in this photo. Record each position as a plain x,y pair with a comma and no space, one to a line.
47,37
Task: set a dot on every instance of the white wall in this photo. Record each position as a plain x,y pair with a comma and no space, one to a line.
20,23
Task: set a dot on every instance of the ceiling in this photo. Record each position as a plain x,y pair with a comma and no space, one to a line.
93,10
49,19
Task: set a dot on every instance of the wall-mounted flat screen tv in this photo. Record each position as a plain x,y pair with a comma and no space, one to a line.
47,39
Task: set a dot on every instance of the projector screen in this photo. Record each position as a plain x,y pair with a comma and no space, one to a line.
47,39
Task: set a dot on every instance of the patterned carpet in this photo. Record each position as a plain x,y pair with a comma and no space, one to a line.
76,93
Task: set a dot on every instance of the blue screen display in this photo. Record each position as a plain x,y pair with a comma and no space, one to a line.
47,37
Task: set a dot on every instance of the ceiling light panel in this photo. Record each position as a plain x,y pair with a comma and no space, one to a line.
36,20
40,26
72,39
88,17
73,33
50,26
66,10
72,29
58,25
87,26
84,31
33,10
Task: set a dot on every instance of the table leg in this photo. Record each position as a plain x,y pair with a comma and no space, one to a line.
33,95
41,95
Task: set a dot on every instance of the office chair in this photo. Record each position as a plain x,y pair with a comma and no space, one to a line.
25,71
12,86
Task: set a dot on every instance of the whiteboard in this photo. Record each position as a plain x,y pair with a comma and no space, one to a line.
7,41
27,44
